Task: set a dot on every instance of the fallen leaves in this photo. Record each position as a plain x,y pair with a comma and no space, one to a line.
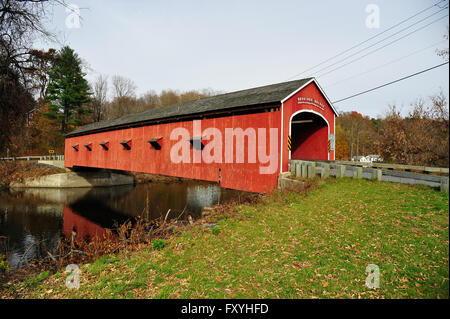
255,261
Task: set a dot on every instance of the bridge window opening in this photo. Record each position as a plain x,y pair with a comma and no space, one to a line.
76,147
309,137
126,144
88,146
105,145
197,142
154,142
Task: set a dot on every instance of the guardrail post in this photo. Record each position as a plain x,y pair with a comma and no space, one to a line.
325,173
312,170
379,174
292,167
304,170
358,172
298,169
444,184
340,171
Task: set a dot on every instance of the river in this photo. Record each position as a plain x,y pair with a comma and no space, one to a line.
39,215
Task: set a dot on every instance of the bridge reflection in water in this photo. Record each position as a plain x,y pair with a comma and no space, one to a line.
31,216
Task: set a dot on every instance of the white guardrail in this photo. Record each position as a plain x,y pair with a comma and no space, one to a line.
34,158
405,174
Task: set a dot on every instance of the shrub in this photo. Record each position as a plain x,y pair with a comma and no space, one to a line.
159,244
4,265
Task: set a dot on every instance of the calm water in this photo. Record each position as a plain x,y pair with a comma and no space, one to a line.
31,216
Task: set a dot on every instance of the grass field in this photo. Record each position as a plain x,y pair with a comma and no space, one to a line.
287,246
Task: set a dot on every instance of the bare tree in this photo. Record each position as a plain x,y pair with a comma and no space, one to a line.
123,87
151,99
124,101
100,91
20,23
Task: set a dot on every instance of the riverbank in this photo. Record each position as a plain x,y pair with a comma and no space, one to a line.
18,171
30,174
285,246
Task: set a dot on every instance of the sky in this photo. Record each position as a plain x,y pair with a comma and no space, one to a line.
234,45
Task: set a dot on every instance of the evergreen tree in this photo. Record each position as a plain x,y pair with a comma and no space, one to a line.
68,90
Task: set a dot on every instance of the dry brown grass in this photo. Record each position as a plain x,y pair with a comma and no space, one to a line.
17,171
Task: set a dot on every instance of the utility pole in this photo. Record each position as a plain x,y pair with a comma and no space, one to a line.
357,144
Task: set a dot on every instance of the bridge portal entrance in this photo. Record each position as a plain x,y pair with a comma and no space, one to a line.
309,136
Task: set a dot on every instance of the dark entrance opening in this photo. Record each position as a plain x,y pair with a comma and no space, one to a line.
309,135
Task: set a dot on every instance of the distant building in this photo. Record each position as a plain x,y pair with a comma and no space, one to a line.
375,158
367,159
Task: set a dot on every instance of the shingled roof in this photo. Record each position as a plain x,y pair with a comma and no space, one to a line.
267,94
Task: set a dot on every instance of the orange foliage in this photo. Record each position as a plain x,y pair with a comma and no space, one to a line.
342,149
44,134
421,138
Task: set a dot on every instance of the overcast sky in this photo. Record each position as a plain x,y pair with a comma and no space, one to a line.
233,45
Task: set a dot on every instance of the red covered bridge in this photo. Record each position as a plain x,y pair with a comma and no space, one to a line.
241,140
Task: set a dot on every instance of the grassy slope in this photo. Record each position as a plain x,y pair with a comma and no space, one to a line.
290,246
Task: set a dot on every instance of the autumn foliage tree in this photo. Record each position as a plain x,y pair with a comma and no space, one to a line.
421,138
342,149
44,133
359,133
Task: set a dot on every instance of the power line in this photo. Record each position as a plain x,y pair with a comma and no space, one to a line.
388,63
367,40
382,47
388,37
392,82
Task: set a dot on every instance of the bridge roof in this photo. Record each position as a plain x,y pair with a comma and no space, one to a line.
268,94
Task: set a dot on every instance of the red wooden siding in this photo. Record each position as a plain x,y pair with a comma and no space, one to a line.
144,158
309,142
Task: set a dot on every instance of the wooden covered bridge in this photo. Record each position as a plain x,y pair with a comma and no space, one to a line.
241,140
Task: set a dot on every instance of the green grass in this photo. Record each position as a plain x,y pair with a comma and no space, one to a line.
34,281
291,246
158,244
